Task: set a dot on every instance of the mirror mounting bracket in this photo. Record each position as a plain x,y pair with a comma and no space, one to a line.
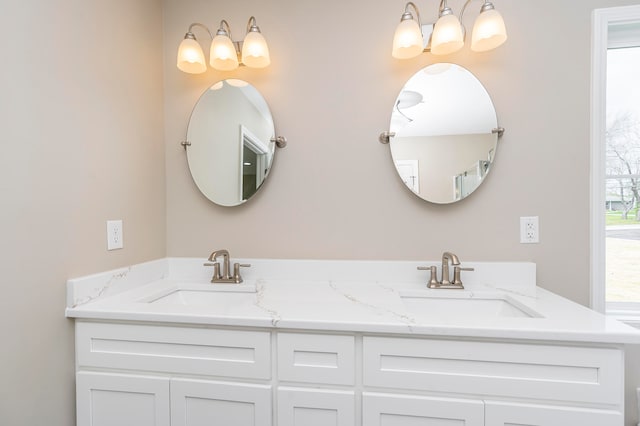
499,131
384,137
280,141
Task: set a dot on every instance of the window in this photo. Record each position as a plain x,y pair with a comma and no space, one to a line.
615,168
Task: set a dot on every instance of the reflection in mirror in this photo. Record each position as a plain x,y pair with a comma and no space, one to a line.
445,133
230,148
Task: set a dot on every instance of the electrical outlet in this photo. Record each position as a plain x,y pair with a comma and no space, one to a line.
114,235
529,230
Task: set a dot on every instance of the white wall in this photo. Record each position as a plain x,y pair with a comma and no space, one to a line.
81,142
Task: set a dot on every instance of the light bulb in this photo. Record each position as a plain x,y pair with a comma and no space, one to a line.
407,40
255,52
223,54
191,56
489,31
447,35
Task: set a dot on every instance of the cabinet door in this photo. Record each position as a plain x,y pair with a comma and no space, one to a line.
314,407
206,403
105,399
404,410
507,414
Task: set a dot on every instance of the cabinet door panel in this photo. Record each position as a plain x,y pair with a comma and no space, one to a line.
314,407
125,400
509,414
404,410
205,403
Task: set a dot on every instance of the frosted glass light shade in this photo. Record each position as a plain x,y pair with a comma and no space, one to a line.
223,54
447,35
489,31
407,40
255,52
191,57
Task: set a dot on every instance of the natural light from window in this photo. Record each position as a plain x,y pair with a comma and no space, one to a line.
623,176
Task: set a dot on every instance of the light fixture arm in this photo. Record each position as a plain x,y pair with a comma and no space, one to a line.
407,13
443,9
224,31
252,25
197,24
487,5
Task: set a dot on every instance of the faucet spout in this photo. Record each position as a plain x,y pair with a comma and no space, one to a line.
225,262
446,258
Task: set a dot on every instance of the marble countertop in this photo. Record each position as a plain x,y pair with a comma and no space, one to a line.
344,296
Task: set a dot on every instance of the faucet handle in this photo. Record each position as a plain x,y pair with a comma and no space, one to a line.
216,270
236,271
456,275
433,279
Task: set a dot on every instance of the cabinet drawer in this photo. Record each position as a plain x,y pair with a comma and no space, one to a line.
562,373
200,402
201,351
304,407
386,409
316,358
506,414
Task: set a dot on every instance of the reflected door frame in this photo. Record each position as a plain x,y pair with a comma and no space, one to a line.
251,141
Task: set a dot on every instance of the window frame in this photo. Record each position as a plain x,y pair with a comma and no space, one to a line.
601,20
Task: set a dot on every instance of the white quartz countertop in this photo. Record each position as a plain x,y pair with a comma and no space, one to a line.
388,297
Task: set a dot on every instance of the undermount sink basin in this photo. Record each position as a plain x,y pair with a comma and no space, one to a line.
465,305
204,295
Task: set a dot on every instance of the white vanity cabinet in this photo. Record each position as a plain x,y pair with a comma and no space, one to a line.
105,399
153,375
340,343
567,378
141,374
307,361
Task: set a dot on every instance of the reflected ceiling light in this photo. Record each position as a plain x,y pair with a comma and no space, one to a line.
447,35
408,99
237,83
218,85
224,53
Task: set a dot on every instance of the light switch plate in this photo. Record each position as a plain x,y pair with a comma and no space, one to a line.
114,235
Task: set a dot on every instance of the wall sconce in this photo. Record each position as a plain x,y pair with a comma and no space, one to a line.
224,54
447,34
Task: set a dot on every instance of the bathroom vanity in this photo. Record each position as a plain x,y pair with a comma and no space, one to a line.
340,343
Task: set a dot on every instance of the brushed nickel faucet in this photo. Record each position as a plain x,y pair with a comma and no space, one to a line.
225,276
446,257
445,282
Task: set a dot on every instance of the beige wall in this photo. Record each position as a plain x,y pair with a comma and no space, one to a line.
82,142
81,123
334,193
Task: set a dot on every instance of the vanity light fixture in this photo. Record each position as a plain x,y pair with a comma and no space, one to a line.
224,53
447,34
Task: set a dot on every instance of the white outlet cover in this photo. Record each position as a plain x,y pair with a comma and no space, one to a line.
115,239
529,230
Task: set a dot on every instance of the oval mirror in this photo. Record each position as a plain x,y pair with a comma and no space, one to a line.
231,142
446,133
